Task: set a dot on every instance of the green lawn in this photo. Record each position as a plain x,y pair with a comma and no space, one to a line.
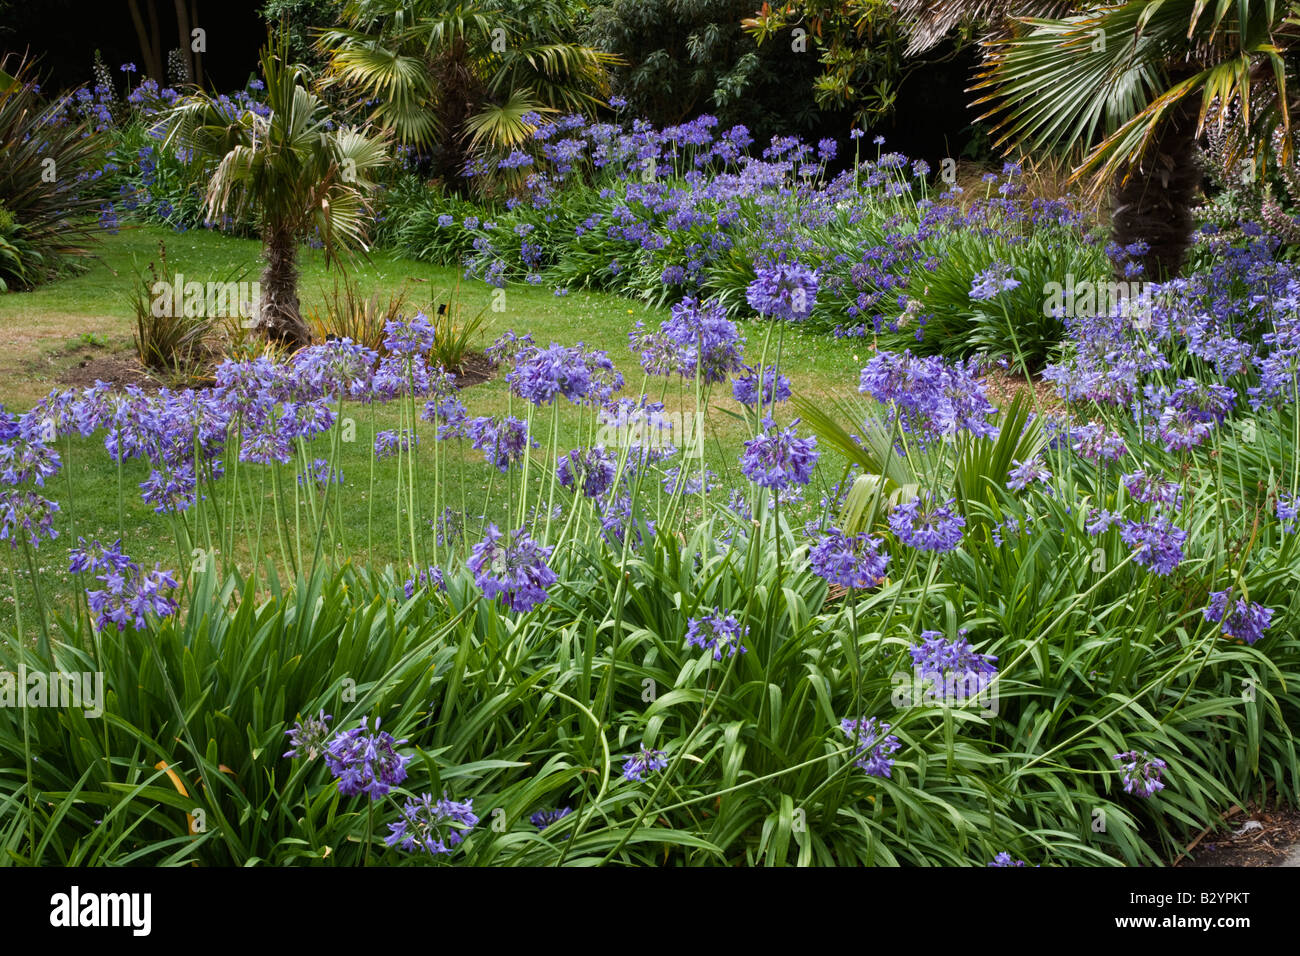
47,332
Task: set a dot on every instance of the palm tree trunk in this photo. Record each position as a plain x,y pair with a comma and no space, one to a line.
280,317
1154,197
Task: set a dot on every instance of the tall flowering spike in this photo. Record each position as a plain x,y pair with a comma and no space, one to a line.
1140,773
1247,621
872,745
516,572
778,459
366,762
716,632
783,291
927,526
644,761
851,561
307,738
431,826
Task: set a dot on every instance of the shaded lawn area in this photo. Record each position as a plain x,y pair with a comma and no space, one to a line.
47,333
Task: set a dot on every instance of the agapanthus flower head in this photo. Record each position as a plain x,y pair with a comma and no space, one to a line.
1288,512
430,577
544,818
320,474
776,459
1004,859
540,375
776,387
26,516
953,665
592,473
170,490
1157,544
366,762
502,443
1025,473
516,571
926,525
507,346
697,340
1140,773
1096,443
431,826
414,336
307,738
26,459
393,440
97,558
1150,489
785,290
929,397
130,595
872,745
718,632
644,761
993,281
851,561
1246,621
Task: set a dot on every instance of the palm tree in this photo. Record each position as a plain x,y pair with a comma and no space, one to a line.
463,77
1133,84
292,168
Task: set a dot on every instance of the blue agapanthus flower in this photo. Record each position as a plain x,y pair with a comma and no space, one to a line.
783,291
366,762
516,572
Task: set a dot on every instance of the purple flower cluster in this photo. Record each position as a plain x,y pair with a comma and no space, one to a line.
644,761
307,738
434,827
1158,543
851,561
130,595
697,339
592,473
26,516
926,526
366,762
777,459
937,657
517,572
716,632
927,396
1140,773
783,291
502,443
1246,621
872,745
776,387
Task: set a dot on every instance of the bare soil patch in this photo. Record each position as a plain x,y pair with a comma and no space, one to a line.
1253,836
